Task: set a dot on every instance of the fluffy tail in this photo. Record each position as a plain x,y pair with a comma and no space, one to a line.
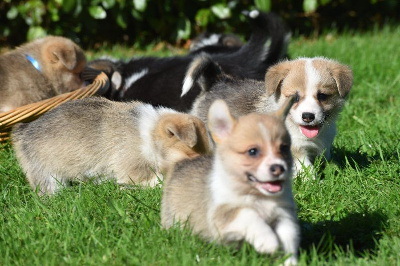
204,68
267,45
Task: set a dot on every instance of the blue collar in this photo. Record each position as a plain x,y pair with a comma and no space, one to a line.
34,62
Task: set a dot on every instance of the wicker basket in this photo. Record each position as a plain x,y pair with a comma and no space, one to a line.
32,111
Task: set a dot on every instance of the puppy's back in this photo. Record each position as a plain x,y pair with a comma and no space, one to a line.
19,81
71,139
187,196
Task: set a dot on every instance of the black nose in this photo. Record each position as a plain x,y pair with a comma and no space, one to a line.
277,169
308,117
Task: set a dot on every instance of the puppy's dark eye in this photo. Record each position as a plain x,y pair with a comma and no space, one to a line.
322,97
284,148
253,152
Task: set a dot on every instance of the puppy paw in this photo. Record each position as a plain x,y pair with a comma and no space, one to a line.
292,260
266,243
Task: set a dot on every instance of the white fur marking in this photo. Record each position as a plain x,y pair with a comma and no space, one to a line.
254,14
5,109
112,59
135,77
148,119
213,39
312,77
265,50
288,234
221,190
309,104
187,85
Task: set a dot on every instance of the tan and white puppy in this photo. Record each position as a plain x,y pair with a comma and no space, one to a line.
133,143
39,70
320,84
243,192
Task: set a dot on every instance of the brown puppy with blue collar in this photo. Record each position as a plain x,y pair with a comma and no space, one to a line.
39,70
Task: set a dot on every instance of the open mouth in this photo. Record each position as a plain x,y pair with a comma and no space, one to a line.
310,131
268,186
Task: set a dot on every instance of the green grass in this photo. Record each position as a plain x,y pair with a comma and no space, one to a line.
349,215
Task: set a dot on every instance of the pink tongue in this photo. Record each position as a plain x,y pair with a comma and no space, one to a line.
272,186
309,132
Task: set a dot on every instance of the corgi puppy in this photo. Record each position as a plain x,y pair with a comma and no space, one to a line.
321,87
243,192
133,143
39,70
158,81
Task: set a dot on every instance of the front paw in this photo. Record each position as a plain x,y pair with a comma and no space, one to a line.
266,244
292,260
304,170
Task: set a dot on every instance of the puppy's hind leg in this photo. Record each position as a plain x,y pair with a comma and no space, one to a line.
45,183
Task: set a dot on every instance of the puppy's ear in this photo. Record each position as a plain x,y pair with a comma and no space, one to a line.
204,144
202,70
185,131
65,57
220,121
105,65
275,76
343,77
285,109
191,131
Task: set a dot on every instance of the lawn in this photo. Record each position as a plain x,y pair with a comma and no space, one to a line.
349,214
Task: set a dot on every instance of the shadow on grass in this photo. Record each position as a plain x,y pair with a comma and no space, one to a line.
355,159
357,233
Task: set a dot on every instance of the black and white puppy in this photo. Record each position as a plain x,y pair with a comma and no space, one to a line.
158,81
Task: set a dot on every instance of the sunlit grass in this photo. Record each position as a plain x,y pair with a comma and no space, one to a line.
350,214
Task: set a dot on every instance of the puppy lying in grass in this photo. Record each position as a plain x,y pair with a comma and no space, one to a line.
321,87
158,81
244,191
133,143
39,70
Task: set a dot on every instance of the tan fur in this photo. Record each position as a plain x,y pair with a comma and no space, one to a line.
326,77
288,76
133,143
217,195
342,75
61,62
